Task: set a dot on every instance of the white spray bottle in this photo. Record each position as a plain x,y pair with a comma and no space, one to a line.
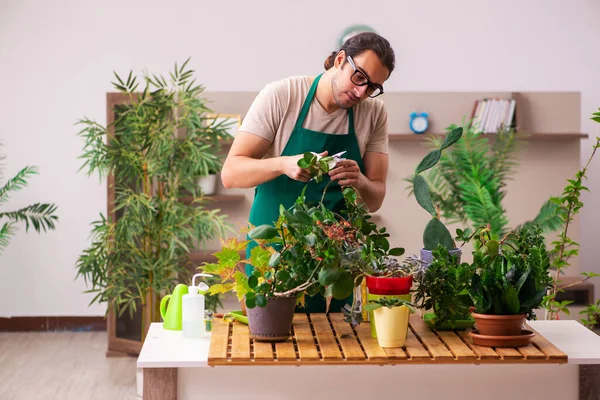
192,311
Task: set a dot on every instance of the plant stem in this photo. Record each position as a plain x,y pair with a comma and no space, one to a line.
325,190
303,286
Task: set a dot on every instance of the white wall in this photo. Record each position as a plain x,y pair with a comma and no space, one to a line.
57,58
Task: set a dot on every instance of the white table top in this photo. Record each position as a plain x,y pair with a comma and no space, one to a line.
168,349
578,342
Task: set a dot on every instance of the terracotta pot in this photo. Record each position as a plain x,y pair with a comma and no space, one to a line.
272,323
499,325
502,341
389,286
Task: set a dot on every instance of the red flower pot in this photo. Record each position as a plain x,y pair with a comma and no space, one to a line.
389,286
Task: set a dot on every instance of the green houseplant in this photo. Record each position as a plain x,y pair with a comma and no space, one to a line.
161,143
390,278
309,250
300,255
443,287
469,182
42,216
435,232
564,248
511,279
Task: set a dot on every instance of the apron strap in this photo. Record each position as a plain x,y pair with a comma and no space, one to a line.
307,102
351,131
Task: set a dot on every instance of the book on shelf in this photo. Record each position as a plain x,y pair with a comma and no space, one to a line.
491,115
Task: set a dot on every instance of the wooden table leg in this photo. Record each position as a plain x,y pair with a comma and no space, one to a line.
160,383
589,382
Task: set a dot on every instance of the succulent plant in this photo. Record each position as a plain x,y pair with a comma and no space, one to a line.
435,232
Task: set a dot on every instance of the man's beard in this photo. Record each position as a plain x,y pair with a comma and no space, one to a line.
336,93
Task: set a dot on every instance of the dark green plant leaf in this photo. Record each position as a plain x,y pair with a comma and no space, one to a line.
422,195
429,161
451,138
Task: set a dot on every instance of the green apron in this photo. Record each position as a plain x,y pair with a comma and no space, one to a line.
284,190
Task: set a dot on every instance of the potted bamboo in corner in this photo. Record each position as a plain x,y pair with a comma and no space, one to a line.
158,144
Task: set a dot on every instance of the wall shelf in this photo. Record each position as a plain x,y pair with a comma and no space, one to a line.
413,137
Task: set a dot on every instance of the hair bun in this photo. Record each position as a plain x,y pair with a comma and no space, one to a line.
330,61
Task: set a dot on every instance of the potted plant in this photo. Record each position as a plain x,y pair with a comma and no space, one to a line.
389,278
443,288
470,180
152,151
435,232
300,255
391,320
510,281
207,183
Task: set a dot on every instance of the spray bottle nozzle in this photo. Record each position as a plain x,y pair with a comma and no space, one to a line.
201,288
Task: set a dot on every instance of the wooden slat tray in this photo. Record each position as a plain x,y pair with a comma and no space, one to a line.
325,339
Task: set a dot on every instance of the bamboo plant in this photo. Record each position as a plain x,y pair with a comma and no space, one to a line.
42,216
163,140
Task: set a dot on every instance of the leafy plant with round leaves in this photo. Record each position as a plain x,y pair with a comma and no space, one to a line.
512,275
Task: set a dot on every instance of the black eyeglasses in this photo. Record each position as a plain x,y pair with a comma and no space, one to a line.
360,79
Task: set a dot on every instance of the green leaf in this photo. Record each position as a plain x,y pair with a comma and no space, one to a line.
396,251
228,257
510,300
422,195
429,161
302,217
250,302
252,281
311,239
261,300
282,276
343,287
369,307
327,276
274,259
263,232
303,164
259,258
452,138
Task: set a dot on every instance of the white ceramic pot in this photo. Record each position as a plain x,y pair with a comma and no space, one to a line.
391,325
208,184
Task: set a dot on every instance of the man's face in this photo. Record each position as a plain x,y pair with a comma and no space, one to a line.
345,92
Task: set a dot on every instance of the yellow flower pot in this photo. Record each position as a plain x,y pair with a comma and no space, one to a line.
391,325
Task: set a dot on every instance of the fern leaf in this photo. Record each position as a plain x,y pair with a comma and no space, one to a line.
18,182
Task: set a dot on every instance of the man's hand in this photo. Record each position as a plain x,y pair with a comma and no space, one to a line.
289,166
347,173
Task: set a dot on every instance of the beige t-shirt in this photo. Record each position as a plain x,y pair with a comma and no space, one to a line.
274,112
